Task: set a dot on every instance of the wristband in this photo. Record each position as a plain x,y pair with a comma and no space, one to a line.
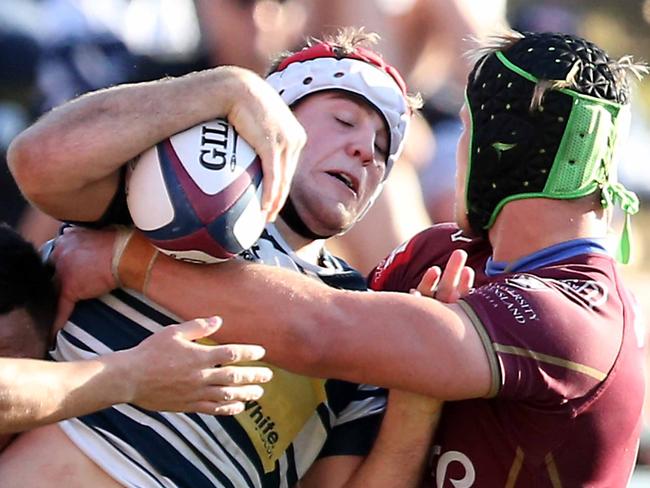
121,240
133,261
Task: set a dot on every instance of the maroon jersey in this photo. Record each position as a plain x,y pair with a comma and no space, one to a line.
567,369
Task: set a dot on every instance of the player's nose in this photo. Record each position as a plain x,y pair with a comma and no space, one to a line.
361,144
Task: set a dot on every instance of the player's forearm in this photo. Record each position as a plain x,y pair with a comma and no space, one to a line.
247,297
401,451
67,162
36,392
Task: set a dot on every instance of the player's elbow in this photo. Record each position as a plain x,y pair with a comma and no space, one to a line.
26,160
18,159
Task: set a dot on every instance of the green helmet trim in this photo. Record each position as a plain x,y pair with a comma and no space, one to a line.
583,161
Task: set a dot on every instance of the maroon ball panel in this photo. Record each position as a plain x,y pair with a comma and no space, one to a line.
200,240
210,207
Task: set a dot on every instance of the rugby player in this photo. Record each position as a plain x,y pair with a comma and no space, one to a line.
355,110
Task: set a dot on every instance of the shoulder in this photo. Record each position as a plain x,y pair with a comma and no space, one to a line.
563,321
563,303
405,265
271,249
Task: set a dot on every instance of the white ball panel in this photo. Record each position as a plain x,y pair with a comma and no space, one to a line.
251,222
192,256
212,143
150,206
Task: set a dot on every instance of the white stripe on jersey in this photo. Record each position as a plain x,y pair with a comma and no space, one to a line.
231,446
367,406
283,469
141,319
309,442
215,450
197,438
117,458
88,340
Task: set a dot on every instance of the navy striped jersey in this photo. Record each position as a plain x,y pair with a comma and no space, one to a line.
271,444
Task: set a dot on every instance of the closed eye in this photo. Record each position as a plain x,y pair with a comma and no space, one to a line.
344,122
382,152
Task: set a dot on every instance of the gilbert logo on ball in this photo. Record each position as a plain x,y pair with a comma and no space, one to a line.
197,194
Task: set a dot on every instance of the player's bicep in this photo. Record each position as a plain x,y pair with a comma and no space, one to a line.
407,342
460,366
87,204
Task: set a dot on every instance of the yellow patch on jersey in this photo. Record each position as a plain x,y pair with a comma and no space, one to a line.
274,421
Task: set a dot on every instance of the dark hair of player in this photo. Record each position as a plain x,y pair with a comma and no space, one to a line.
25,281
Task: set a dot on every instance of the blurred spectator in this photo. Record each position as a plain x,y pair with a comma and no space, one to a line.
82,49
552,16
436,176
19,53
248,32
163,29
633,172
442,85
51,51
177,36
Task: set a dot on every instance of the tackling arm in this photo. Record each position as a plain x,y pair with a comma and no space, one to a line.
395,340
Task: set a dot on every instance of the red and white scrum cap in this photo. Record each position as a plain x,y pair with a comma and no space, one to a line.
362,72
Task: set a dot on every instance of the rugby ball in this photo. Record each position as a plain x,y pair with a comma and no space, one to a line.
197,194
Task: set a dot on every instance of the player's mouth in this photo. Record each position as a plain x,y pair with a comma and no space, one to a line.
348,180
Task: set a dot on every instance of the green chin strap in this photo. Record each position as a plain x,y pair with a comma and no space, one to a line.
616,194
583,162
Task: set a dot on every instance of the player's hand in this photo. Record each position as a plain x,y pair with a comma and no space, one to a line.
169,371
450,285
265,121
83,267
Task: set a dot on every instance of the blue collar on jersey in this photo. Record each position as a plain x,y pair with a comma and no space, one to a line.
546,256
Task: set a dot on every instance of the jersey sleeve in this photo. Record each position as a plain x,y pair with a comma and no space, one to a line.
548,340
358,413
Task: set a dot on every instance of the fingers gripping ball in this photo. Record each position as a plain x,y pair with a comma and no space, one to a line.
197,194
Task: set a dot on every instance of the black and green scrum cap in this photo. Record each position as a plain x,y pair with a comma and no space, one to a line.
546,113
